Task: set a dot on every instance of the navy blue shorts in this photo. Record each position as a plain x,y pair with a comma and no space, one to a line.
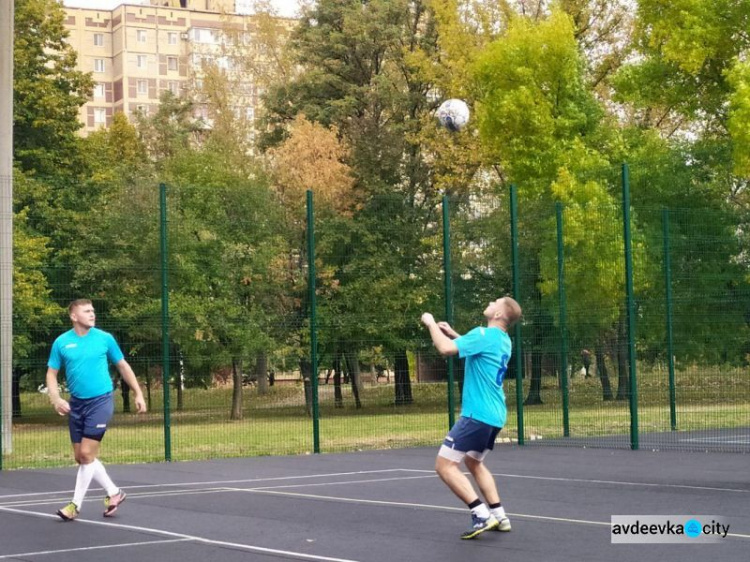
89,417
469,437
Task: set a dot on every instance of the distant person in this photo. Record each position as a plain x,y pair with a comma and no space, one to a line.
586,360
483,412
84,351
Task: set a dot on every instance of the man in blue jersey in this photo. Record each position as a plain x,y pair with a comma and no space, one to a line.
84,352
487,352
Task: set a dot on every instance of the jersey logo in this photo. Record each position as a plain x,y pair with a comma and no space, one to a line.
71,345
502,370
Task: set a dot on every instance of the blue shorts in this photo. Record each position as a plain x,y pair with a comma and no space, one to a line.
469,437
89,417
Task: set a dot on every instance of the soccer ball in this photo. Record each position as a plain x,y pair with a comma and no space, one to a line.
453,114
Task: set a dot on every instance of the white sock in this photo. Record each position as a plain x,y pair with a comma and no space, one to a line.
481,511
103,479
83,481
499,513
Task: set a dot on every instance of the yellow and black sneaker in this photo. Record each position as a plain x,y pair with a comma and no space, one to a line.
479,525
69,512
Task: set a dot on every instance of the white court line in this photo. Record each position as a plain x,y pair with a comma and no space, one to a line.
32,503
85,548
615,482
440,508
218,482
52,501
720,440
203,540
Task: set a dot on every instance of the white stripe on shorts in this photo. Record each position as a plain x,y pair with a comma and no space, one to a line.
457,456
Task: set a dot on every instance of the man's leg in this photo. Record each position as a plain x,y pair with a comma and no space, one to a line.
488,487
85,452
450,473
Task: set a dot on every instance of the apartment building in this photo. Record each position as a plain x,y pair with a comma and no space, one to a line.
137,52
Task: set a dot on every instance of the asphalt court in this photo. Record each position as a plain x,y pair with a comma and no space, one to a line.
376,506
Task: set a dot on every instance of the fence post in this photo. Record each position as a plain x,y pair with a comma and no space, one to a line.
630,305
517,296
165,321
563,318
448,286
313,321
670,343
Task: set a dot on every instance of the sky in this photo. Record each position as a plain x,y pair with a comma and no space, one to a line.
286,8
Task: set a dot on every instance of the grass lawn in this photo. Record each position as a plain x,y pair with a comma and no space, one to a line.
277,423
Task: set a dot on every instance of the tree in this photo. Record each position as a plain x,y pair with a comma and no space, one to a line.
539,120
225,244
48,90
312,158
360,72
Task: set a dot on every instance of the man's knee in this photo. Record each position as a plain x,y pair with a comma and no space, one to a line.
471,463
444,465
85,457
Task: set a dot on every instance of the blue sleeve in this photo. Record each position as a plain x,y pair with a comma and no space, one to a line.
113,350
471,343
55,358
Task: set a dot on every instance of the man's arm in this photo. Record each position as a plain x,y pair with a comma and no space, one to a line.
445,345
127,374
448,331
53,391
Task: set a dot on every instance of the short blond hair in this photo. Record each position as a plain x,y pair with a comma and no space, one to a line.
78,302
512,312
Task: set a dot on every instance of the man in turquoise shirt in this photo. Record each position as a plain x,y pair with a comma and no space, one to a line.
85,352
487,351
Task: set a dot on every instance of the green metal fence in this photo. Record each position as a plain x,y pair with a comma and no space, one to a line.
256,328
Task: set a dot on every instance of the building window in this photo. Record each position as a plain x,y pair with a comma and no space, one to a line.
172,63
174,87
100,116
141,61
142,109
98,91
98,40
98,65
204,35
143,86
172,38
141,35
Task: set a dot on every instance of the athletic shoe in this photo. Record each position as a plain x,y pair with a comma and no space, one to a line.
504,525
69,512
479,525
111,503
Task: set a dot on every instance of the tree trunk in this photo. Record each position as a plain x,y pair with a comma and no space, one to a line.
601,369
125,389
236,389
261,372
535,388
534,396
402,382
623,373
16,392
338,397
305,369
352,364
